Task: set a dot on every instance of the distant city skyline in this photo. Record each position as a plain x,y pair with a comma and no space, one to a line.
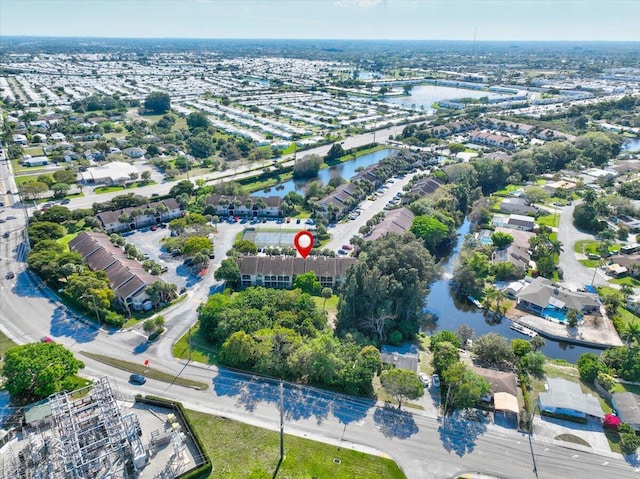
483,20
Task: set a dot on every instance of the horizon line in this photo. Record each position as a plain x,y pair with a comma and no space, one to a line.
314,39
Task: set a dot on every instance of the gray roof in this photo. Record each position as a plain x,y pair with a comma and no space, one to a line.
542,292
628,406
500,381
565,394
395,221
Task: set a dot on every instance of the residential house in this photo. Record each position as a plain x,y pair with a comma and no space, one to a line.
629,261
151,214
498,155
566,398
513,254
504,390
395,221
57,136
20,140
281,271
632,224
544,298
127,277
515,222
520,238
402,357
519,206
35,161
425,187
246,205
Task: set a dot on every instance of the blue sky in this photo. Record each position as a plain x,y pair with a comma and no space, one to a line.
601,20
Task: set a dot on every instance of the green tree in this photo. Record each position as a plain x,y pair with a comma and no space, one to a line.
572,318
464,387
200,146
228,272
520,347
44,230
589,365
336,151
308,283
307,167
60,190
401,384
326,293
157,103
444,336
197,119
243,246
38,370
533,363
65,176
32,190
238,350
465,333
493,349
500,239
196,244
391,277
432,231
445,354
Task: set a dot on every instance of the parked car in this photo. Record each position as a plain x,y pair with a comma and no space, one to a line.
10,275
153,228
5,234
424,378
66,201
341,251
435,380
11,217
347,247
137,379
46,339
298,221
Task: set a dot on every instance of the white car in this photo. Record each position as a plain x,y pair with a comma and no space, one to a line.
424,378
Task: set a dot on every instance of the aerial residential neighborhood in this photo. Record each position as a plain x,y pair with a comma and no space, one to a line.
319,253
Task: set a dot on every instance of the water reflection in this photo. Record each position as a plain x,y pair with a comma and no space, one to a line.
447,312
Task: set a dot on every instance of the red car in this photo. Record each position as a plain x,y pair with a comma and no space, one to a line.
153,228
46,339
347,247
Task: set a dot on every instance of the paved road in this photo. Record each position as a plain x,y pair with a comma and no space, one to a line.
568,235
381,136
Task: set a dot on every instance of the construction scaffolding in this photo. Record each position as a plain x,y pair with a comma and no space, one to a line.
89,438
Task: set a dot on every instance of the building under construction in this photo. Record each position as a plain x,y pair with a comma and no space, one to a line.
85,434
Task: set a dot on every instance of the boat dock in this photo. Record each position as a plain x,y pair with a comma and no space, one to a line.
475,301
523,329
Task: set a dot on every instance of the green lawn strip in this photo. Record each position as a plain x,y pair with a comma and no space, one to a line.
33,151
22,179
626,280
67,238
201,351
590,263
147,372
572,438
5,343
628,388
239,451
586,246
551,221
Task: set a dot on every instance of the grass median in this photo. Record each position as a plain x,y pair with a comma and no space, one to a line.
239,450
147,372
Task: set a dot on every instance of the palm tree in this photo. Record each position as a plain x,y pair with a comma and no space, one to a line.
631,333
489,295
500,296
626,290
572,318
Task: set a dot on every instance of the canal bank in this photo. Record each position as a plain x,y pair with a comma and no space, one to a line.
452,313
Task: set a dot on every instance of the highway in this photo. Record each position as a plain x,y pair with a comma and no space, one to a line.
424,446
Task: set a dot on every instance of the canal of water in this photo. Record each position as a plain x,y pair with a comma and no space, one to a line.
346,170
452,313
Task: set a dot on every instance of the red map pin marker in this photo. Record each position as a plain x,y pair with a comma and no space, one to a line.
303,243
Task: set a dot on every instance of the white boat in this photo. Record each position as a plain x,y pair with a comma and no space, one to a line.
523,329
475,301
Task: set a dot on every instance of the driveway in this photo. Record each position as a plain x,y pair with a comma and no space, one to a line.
568,235
547,429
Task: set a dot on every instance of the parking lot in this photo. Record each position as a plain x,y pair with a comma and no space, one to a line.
148,242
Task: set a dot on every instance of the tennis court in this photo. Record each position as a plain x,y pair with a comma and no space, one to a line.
266,238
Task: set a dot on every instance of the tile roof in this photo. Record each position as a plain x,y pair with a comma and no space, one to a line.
290,266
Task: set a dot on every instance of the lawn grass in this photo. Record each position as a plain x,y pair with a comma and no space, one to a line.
332,303
625,388
552,221
67,238
573,439
33,151
626,280
239,451
5,344
151,373
21,179
108,189
201,351
590,263
507,189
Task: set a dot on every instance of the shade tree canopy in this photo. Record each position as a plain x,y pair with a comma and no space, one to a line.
401,384
38,370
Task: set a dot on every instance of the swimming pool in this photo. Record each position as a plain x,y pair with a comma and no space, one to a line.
553,313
